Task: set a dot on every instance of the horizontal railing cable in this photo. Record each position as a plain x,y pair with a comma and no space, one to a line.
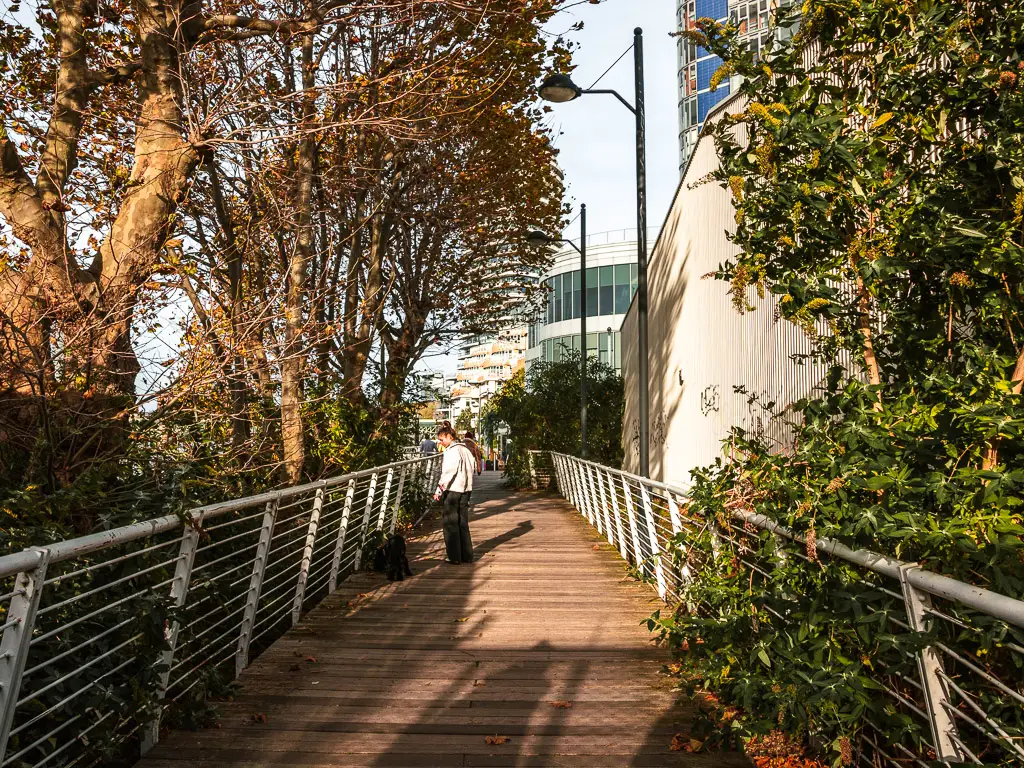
156,608
944,683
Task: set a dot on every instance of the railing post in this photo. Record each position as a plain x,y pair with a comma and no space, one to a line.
307,554
366,521
613,493
17,637
581,498
384,499
533,470
605,507
929,667
398,499
634,532
342,530
428,475
566,487
252,600
652,532
595,512
676,518
582,490
179,592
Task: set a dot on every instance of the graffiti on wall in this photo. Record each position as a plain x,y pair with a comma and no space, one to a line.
710,400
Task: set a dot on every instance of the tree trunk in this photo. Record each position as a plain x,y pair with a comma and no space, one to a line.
292,367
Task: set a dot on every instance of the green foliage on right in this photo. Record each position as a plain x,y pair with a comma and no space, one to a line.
542,410
878,182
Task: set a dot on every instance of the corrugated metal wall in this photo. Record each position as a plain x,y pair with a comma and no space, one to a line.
701,348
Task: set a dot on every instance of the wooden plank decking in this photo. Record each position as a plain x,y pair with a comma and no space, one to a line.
420,673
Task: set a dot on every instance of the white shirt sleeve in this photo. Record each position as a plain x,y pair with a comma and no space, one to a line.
450,461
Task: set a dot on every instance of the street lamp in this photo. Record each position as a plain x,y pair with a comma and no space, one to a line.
539,239
559,88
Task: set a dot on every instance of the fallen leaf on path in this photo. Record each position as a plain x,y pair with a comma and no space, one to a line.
561,704
459,621
684,743
259,717
497,739
478,683
597,547
311,659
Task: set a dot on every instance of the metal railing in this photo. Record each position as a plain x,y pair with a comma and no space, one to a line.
952,682
102,634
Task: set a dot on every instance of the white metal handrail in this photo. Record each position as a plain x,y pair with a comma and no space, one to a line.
963,703
160,607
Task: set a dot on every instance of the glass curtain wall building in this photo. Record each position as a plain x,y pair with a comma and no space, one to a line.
697,65
611,284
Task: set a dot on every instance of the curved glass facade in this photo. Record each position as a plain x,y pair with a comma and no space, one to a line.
610,290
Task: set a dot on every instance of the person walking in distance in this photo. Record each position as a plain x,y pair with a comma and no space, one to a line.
454,491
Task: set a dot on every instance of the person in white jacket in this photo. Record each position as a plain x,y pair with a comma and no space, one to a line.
454,491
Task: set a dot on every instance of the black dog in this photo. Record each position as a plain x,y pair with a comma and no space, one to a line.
391,558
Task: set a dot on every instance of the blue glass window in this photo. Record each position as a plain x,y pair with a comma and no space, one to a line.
705,101
705,69
715,9
592,292
607,306
621,288
576,294
567,295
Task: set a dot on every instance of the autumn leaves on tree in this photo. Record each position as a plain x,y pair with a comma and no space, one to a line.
316,192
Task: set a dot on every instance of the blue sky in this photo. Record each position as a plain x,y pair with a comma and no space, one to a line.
596,142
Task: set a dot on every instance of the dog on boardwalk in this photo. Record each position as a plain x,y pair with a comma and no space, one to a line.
391,558
398,562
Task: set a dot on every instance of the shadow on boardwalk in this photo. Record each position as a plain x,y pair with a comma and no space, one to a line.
531,656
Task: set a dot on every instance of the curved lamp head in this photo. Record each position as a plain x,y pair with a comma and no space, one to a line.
559,89
538,239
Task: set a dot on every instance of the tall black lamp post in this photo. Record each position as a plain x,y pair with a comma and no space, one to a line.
560,88
539,239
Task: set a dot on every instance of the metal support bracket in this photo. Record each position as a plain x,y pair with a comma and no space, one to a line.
929,667
17,637
398,500
179,592
652,532
307,554
382,515
252,600
366,521
342,530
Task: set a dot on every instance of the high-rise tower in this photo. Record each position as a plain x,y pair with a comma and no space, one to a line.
697,65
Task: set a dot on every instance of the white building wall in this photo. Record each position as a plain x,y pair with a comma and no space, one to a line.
700,346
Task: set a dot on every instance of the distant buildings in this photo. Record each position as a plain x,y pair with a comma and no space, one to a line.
697,65
485,362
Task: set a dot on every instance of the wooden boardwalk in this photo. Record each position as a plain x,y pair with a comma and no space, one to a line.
538,643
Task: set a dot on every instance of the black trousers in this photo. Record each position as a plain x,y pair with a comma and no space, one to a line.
455,524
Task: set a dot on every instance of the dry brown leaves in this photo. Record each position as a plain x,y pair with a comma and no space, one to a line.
683,742
497,739
561,704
